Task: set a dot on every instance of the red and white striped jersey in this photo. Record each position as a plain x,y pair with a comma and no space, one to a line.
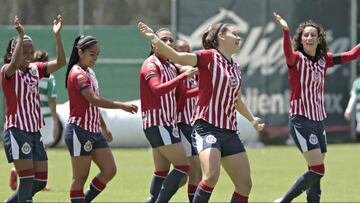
219,85
186,111
82,113
307,80
158,81
22,100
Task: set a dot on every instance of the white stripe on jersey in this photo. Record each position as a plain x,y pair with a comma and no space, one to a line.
311,101
14,147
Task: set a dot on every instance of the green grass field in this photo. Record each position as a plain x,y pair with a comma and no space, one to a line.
274,169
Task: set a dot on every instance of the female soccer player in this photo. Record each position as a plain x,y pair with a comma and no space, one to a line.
215,128
23,119
185,109
158,83
86,134
306,72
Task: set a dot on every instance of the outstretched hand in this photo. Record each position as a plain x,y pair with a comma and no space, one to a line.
131,108
146,30
19,28
280,21
58,21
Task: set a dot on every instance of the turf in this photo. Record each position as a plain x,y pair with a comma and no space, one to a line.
274,169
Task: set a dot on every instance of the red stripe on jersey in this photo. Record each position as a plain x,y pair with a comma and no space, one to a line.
217,101
157,110
82,113
307,81
22,98
186,112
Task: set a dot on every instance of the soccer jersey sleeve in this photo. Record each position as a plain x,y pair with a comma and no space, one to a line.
204,57
42,68
290,55
346,57
152,77
80,80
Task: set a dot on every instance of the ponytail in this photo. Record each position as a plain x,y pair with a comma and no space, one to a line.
74,58
83,43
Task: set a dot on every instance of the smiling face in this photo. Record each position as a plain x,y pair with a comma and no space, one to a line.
310,40
229,41
89,56
27,54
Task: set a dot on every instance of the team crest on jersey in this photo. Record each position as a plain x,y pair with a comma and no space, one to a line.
210,139
233,82
26,149
33,71
321,62
88,146
175,133
313,139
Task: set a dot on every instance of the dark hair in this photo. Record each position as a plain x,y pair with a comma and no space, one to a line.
10,48
8,54
210,36
83,43
156,33
41,56
321,49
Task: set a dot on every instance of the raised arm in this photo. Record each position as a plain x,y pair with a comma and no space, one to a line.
60,53
348,56
17,52
182,58
288,52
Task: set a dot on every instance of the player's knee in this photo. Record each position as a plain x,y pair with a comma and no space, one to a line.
245,184
211,178
109,172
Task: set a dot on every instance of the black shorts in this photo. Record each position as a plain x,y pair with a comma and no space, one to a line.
185,133
162,135
19,144
307,134
81,142
206,135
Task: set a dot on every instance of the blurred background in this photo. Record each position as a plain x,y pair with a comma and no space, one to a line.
123,49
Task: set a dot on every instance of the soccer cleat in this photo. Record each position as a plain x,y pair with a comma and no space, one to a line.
13,179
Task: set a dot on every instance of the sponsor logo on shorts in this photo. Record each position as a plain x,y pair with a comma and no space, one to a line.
88,146
210,139
313,139
26,149
175,133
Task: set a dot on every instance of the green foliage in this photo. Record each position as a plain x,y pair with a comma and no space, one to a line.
274,169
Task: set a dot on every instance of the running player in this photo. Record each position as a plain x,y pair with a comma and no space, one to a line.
306,73
158,83
23,119
215,129
185,109
86,133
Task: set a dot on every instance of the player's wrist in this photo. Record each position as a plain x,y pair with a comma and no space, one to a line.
155,39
